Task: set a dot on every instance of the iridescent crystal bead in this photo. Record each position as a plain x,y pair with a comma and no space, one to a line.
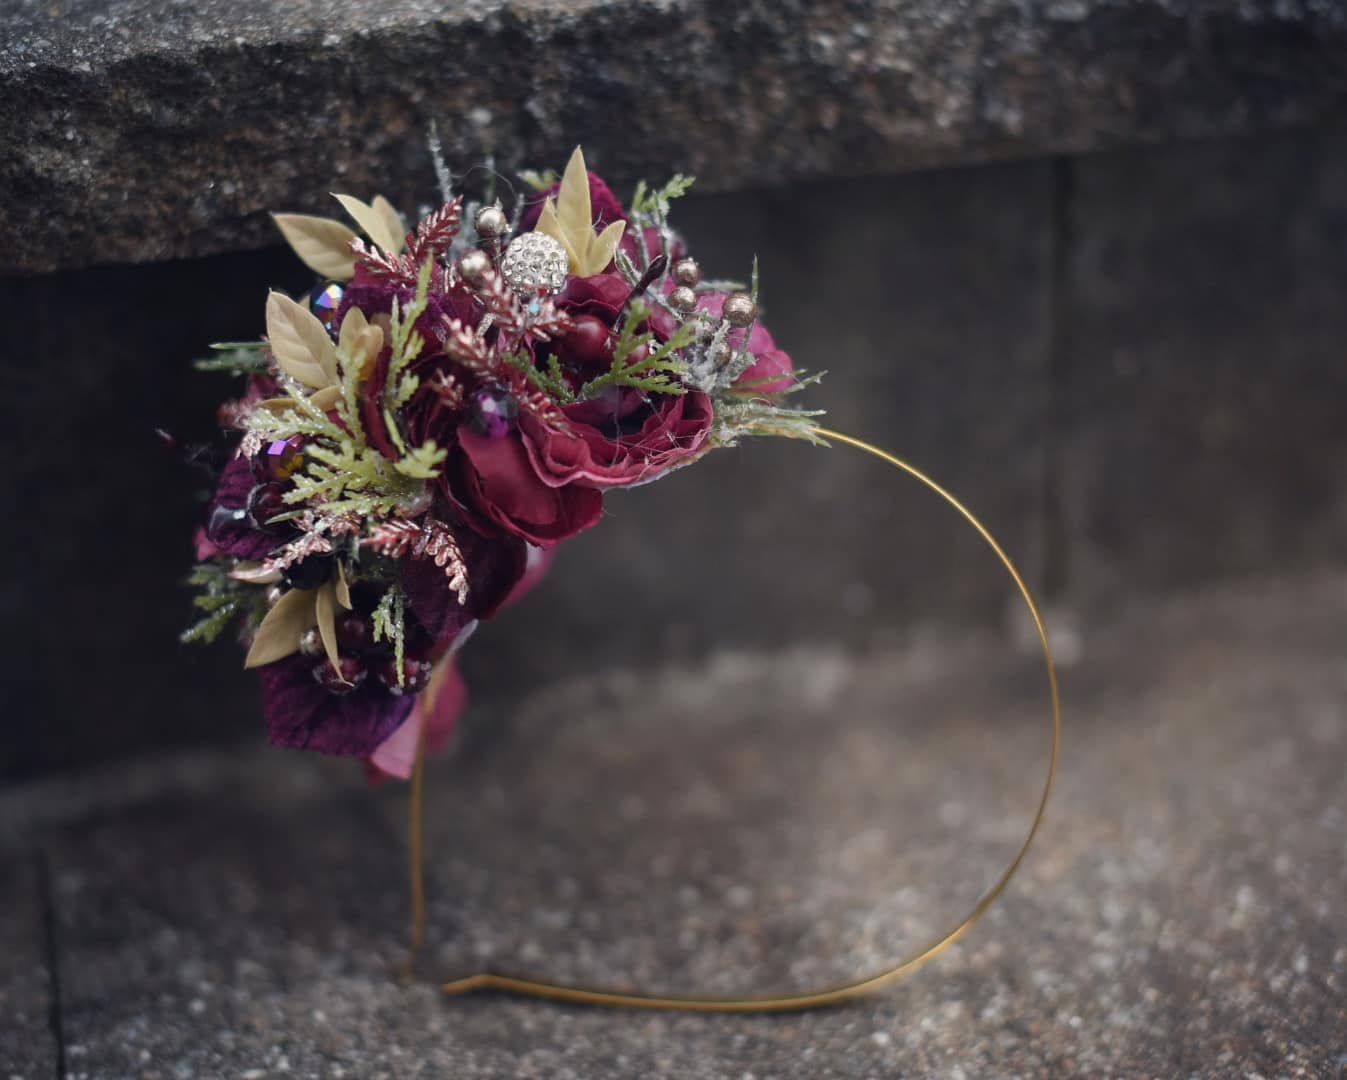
492,411
325,300
279,458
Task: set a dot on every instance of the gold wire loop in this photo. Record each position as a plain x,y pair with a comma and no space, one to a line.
584,995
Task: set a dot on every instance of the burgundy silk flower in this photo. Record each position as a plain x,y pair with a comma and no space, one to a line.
498,481
674,430
432,477
604,205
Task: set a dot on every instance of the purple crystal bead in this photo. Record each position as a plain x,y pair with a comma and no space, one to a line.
492,410
279,459
325,300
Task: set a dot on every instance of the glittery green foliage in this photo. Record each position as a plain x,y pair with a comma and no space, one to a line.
639,362
389,622
220,598
237,358
343,473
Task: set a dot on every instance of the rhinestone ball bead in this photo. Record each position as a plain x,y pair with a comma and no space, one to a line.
740,310
534,262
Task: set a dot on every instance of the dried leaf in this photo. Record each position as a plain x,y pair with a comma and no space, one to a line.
574,211
604,247
397,228
570,221
361,342
326,398
300,343
325,609
388,234
278,636
343,589
323,399
323,244
255,573
550,223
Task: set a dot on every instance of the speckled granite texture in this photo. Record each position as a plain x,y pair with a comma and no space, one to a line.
783,818
146,129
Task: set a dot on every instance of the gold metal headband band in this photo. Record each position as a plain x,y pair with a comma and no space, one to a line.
832,995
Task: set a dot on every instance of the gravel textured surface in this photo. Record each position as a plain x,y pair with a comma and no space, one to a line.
145,129
770,820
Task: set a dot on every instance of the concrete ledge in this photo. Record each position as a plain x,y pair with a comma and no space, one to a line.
783,820
145,129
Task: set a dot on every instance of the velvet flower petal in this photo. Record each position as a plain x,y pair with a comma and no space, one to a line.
305,716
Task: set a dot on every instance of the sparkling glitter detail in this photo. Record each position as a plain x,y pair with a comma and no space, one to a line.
534,262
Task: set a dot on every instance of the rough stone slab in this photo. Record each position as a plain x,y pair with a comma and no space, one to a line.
1197,413
787,817
28,1043
758,546
146,129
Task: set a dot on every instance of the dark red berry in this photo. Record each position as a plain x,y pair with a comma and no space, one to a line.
589,342
309,574
354,633
222,521
265,502
352,674
415,675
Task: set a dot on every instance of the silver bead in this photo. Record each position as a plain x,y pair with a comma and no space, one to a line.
687,272
683,299
474,266
534,262
740,310
311,642
274,595
491,222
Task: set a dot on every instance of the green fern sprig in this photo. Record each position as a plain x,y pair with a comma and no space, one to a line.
390,623
653,374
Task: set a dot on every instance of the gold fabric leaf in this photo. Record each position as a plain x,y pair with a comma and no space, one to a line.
323,244
397,228
343,589
325,611
570,221
278,636
254,572
361,341
324,399
300,343
383,226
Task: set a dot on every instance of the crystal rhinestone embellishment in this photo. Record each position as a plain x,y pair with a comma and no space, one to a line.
535,262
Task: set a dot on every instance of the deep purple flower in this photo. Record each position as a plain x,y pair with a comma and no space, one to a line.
303,715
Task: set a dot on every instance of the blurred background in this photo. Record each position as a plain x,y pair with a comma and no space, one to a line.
1085,263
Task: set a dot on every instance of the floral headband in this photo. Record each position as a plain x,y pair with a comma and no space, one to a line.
420,431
